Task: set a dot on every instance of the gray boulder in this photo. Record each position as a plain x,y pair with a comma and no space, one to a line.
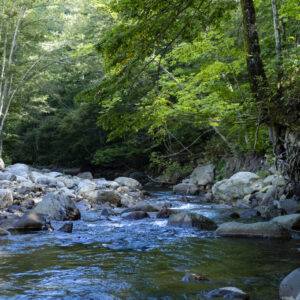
85,175
130,182
237,186
21,170
290,286
228,293
269,212
102,196
185,188
142,206
186,219
290,222
54,174
7,176
6,198
135,215
41,179
202,176
270,179
257,230
58,207
290,206
31,221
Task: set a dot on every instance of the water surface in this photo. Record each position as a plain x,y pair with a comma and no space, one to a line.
143,259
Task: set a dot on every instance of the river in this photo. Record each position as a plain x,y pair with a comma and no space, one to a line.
145,259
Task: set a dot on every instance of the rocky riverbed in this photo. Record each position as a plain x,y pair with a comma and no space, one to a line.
99,239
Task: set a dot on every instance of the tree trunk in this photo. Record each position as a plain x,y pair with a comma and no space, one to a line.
278,47
256,72
286,140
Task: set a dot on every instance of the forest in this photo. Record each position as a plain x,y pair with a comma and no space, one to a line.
152,86
196,100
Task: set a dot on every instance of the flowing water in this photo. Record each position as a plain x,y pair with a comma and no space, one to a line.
143,259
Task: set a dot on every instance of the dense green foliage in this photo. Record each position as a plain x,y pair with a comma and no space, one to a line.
138,82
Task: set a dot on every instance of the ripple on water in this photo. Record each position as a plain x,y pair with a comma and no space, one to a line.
144,259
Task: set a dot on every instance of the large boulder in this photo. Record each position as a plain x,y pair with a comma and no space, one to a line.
228,293
186,219
290,286
102,196
130,182
41,179
237,186
31,221
20,170
185,188
68,182
290,222
257,230
7,176
85,187
6,198
58,207
202,176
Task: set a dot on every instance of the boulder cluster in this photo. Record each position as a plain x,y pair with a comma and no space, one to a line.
31,198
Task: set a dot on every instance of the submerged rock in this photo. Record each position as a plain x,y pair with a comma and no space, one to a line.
58,207
186,219
290,286
67,227
258,230
31,221
165,213
192,277
228,293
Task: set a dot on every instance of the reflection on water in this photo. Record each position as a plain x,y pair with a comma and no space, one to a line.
142,259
